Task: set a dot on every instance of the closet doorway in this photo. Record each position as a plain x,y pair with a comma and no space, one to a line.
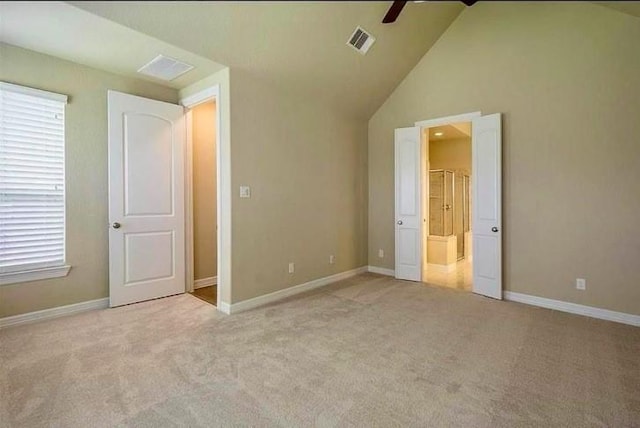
202,244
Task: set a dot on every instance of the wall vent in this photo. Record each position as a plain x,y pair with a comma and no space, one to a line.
165,68
361,40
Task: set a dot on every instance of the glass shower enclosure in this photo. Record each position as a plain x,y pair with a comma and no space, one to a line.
449,205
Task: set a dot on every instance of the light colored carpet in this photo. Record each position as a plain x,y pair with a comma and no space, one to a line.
368,351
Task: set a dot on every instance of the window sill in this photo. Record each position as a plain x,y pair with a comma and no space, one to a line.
34,275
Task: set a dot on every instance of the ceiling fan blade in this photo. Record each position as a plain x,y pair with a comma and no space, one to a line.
469,2
393,12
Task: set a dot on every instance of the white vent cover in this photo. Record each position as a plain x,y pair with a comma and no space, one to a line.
165,68
360,40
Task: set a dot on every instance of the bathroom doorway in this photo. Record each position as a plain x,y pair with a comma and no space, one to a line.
412,166
448,196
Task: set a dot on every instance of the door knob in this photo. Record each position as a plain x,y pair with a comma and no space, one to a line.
116,225
494,229
400,222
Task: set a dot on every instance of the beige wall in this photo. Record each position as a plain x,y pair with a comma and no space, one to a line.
306,165
305,162
451,154
565,75
86,174
204,190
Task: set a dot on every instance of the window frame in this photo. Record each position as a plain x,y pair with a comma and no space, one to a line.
57,270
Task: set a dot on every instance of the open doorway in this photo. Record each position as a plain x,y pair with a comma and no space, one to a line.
203,245
447,195
412,173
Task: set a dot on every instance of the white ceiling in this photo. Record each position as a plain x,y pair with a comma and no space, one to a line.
297,46
64,31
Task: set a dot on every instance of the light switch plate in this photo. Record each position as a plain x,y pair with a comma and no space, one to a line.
245,191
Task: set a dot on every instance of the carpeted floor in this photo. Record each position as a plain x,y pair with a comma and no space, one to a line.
368,351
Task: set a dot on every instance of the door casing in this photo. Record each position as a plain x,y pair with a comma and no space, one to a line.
424,125
223,187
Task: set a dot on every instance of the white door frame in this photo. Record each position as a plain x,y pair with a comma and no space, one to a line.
223,197
424,203
448,120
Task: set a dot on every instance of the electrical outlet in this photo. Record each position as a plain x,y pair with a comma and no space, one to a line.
332,259
381,253
581,283
292,268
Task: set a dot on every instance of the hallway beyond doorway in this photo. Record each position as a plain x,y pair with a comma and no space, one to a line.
208,294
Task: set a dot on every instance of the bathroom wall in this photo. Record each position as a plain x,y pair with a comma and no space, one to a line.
452,154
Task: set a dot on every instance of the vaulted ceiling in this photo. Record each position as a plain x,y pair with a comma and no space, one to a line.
300,46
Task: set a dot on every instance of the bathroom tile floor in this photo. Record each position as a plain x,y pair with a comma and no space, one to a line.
460,278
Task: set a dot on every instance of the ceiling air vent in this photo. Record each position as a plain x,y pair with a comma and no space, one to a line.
165,68
360,40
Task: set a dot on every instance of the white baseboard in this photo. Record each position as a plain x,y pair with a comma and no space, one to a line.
574,308
451,267
287,292
225,308
205,282
59,311
381,271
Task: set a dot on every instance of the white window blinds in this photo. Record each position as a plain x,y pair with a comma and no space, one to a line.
31,179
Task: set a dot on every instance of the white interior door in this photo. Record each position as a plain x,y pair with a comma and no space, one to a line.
146,199
408,204
487,205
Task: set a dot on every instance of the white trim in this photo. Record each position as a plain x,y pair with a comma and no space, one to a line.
296,289
19,89
433,267
200,97
205,282
34,274
188,208
573,308
224,307
223,197
465,117
381,271
51,313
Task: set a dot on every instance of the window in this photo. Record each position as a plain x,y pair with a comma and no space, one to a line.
32,210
